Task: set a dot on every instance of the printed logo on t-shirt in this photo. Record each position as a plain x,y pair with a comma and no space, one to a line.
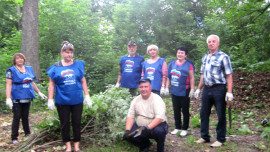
25,84
175,77
69,77
128,66
27,79
150,71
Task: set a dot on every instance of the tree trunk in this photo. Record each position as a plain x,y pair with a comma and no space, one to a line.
30,35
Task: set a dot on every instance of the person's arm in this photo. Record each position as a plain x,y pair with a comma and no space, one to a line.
229,79
35,86
119,75
201,82
155,123
192,79
129,123
164,73
84,86
8,88
51,88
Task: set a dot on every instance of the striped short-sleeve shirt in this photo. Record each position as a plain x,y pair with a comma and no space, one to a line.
215,67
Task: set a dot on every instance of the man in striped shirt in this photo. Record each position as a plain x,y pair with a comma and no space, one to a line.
216,74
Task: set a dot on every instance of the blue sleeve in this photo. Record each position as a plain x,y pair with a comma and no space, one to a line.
81,68
50,71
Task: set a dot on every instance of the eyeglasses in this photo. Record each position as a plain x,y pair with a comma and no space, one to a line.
67,45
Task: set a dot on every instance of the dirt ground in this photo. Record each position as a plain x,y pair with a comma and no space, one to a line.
251,106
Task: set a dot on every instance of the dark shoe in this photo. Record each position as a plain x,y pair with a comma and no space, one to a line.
146,149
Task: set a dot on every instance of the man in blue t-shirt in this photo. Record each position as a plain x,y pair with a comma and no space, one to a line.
130,69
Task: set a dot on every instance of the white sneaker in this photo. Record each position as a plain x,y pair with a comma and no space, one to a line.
183,133
15,142
175,131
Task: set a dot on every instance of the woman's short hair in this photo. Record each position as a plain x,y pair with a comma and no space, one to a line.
67,46
19,55
152,46
182,48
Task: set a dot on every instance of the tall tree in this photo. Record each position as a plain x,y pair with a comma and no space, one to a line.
30,34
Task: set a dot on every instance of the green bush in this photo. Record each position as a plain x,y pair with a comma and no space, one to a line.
106,117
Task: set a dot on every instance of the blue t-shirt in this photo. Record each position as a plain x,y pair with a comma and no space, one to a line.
178,76
21,83
67,81
153,72
131,71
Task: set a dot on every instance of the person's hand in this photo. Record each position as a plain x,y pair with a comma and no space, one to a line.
126,135
191,93
162,91
42,96
229,98
145,130
167,92
197,94
9,103
88,101
117,85
51,105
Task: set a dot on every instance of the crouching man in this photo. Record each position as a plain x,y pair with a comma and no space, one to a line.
149,110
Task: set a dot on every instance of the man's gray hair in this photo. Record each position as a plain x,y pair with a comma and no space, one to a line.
211,36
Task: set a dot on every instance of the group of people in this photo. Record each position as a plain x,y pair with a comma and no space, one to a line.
146,117
154,78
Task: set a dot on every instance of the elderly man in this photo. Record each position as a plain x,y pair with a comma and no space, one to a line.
130,69
149,110
216,73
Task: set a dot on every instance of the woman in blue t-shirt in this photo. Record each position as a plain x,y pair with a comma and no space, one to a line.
20,91
155,69
182,81
68,81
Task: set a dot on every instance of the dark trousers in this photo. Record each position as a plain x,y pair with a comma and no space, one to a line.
20,110
181,105
156,92
133,91
214,95
158,134
75,112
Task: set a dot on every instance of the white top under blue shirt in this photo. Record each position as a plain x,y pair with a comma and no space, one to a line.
215,68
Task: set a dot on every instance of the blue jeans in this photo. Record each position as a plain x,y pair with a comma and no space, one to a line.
214,95
158,134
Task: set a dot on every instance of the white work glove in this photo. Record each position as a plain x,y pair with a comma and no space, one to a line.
191,93
167,92
197,94
51,105
229,97
9,103
88,101
162,91
42,96
117,85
